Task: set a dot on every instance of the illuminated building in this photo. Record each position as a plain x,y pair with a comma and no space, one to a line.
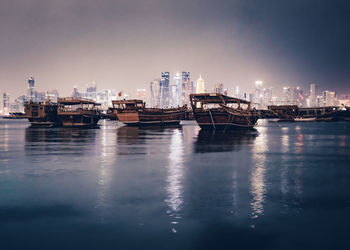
164,89
155,93
30,88
175,98
219,88
313,95
287,96
6,103
200,85
329,98
187,88
258,93
267,97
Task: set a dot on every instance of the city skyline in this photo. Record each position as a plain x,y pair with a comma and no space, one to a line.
172,89
125,44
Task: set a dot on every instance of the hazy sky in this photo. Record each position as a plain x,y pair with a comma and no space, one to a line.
124,44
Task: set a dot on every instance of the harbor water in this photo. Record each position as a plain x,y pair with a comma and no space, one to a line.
280,186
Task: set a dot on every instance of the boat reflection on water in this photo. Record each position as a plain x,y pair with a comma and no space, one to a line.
135,140
208,141
59,141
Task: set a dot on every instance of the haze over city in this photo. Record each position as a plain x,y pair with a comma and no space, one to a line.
126,44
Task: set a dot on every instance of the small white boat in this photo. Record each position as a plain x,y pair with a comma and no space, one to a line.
307,119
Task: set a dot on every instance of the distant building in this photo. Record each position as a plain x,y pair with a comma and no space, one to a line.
52,95
164,89
6,103
319,101
75,93
258,94
187,87
329,98
219,88
287,96
298,97
155,91
141,94
103,97
237,92
91,87
267,97
31,89
313,95
200,85
344,100
175,97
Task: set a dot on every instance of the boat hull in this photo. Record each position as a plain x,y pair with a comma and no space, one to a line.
79,120
42,115
222,120
150,118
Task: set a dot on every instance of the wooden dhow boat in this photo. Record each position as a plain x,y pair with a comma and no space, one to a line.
297,114
134,113
78,112
218,111
42,114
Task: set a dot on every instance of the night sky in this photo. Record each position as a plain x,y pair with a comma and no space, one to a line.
124,44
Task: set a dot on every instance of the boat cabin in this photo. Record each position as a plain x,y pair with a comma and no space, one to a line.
284,111
215,100
128,104
70,104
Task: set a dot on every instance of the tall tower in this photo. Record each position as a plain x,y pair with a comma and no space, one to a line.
313,95
164,89
6,103
258,93
186,87
200,85
175,98
31,91
155,93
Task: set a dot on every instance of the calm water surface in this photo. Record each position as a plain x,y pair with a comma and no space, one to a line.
281,186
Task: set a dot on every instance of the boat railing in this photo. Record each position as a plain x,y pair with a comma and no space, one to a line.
72,109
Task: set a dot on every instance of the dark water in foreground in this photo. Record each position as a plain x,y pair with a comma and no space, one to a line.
283,186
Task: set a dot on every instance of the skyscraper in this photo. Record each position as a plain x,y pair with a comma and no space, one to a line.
164,89
313,95
155,91
175,98
200,85
75,92
329,98
6,103
267,97
287,96
187,87
219,88
30,88
298,97
258,93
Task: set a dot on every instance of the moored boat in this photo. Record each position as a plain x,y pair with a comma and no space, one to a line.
78,112
15,115
42,114
294,113
134,113
218,111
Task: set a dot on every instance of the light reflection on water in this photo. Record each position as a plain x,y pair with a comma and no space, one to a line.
175,177
4,147
125,185
107,148
257,179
